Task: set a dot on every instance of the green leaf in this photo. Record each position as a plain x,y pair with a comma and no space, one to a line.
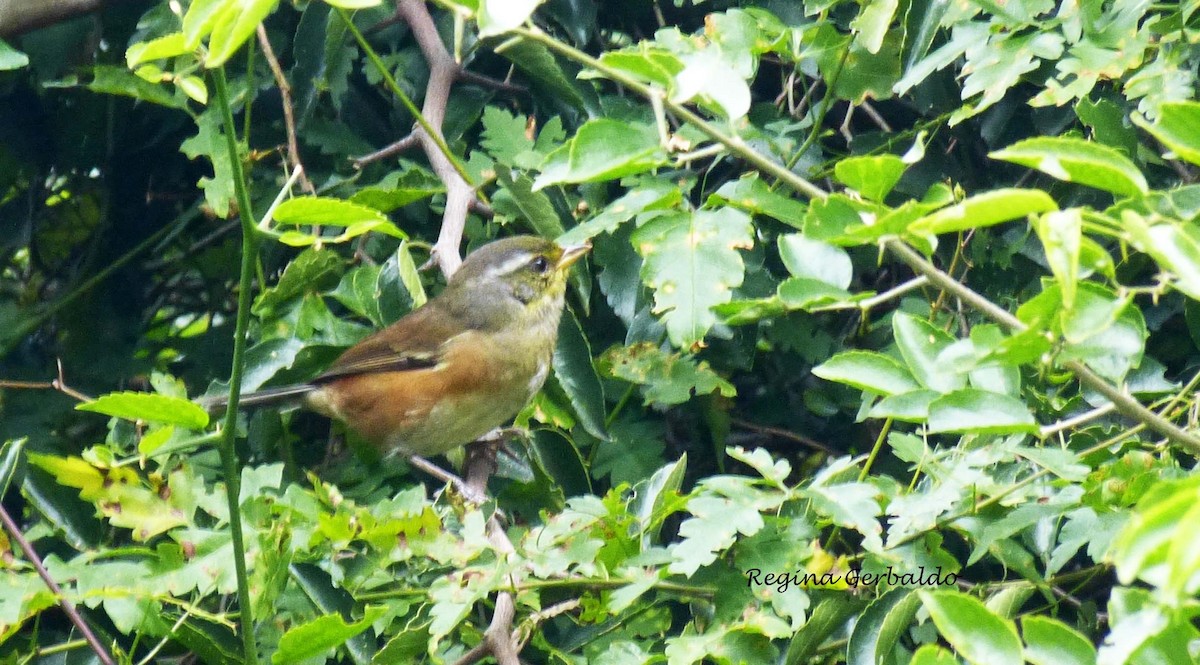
315,638
751,194
645,62
912,407
500,16
603,149
873,177
149,406
715,81
921,343
829,615
332,600
1075,160
1061,233
1175,246
111,80
881,626
987,209
325,211
815,259
167,46
871,25
209,142
577,375
399,189
868,370
980,412
667,379
307,273
517,200
976,634
233,22
1051,642
1178,127
692,263
11,58
796,293
10,455
1154,546
932,654
650,195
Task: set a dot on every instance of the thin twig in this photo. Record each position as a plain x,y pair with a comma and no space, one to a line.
15,533
403,145
289,118
785,434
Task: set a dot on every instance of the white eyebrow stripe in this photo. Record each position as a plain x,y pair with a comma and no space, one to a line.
510,265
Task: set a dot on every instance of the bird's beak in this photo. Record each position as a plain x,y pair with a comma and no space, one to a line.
572,253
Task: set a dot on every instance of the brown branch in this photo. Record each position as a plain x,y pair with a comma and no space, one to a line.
784,434
443,71
67,607
489,82
403,145
289,118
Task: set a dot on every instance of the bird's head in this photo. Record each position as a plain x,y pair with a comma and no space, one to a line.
518,281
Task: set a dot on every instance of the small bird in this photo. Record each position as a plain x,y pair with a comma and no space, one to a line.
458,367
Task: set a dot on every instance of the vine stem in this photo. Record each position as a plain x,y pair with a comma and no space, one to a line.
228,452
731,141
1122,401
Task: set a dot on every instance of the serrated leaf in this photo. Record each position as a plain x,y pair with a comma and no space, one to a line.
667,378
149,406
1075,160
753,195
692,263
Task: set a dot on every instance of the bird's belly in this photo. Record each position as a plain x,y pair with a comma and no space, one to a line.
428,412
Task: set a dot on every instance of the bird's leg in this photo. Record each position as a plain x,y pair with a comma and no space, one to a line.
502,437
468,492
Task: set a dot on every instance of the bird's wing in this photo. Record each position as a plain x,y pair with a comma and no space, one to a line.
414,342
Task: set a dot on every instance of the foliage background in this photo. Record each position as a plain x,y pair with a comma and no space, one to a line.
753,374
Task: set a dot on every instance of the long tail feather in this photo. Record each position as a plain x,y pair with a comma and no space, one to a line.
269,397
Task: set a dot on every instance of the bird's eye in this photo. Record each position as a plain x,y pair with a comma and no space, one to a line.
540,264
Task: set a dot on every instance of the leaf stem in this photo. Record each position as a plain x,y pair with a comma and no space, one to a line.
226,448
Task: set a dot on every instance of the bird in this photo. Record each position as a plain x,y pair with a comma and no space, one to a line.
454,369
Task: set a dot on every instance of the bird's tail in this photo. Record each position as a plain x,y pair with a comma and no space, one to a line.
270,397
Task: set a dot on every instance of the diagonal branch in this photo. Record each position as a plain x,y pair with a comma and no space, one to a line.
67,606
